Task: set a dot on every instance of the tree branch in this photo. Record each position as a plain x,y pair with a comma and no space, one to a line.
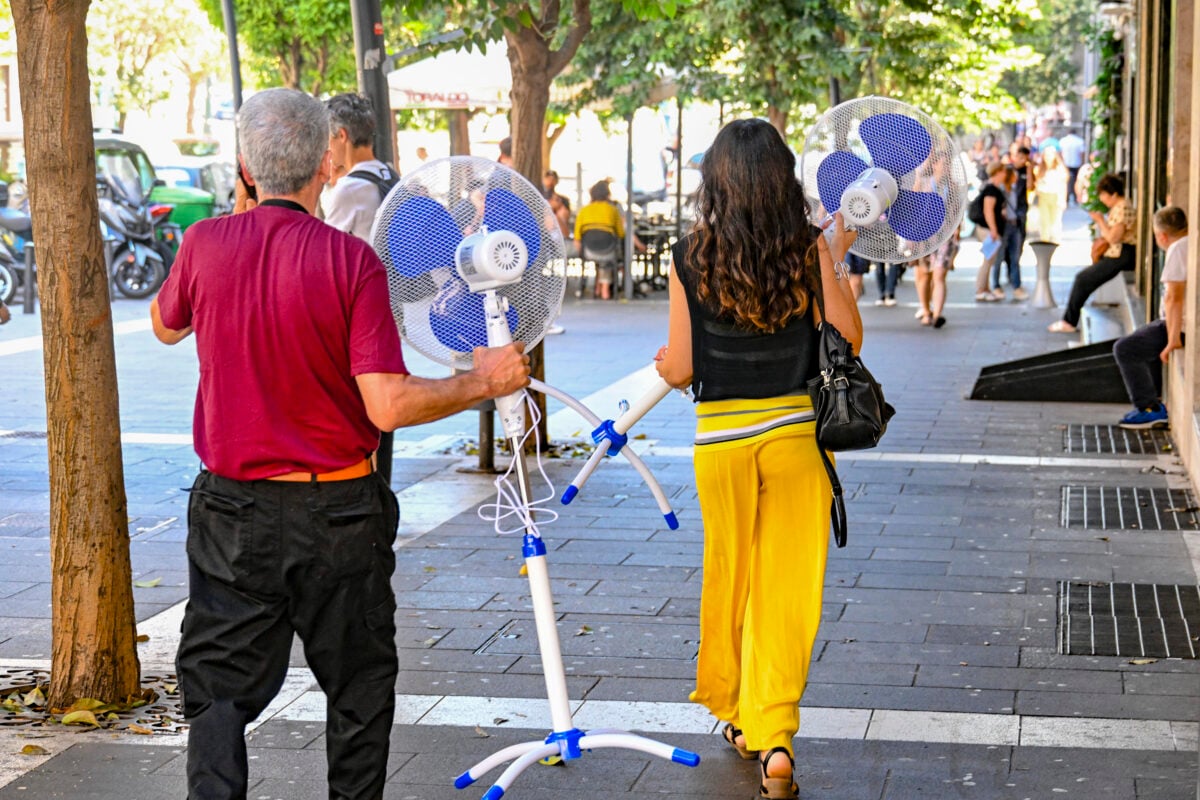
581,24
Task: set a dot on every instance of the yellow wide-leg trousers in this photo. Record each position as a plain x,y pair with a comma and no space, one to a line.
765,504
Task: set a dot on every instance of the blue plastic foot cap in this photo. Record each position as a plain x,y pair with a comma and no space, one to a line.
494,793
569,494
685,757
463,781
672,521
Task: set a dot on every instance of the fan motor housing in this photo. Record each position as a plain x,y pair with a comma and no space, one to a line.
487,260
868,197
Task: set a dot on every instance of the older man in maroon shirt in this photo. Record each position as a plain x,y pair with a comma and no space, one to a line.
290,529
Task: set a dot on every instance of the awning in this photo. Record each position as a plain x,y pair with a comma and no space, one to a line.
454,79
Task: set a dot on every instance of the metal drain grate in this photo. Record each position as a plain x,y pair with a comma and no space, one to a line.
1128,508
22,434
1113,439
1128,619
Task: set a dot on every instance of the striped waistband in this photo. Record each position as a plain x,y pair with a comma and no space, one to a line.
719,421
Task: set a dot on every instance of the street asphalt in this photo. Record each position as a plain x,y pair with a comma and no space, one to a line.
938,670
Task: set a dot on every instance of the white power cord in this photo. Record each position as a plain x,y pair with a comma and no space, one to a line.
508,496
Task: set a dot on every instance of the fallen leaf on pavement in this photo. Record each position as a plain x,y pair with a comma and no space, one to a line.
139,730
34,750
80,718
150,584
481,733
1140,661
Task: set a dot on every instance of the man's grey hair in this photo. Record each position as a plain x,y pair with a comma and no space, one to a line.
354,113
283,134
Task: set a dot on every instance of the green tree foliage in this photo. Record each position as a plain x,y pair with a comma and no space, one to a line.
1055,33
777,55
948,58
128,43
301,44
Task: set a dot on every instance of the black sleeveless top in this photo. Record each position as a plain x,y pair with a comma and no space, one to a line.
732,362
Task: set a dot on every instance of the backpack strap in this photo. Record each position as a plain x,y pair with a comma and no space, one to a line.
383,184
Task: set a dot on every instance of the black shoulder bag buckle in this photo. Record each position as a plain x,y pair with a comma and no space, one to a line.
850,411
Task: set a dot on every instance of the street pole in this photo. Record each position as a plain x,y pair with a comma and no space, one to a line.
678,167
627,289
235,65
369,53
367,20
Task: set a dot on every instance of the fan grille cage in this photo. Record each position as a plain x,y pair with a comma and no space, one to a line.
417,231
943,172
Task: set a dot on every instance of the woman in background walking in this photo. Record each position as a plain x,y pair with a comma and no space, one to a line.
742,335
1051,174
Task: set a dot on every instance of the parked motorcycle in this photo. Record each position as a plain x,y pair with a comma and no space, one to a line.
16,231
8,278
167,235
137,267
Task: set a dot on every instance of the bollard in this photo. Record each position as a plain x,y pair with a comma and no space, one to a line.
30,282
1043,297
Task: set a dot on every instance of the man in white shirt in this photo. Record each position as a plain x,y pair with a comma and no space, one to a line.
360,181
1139,354
1072,149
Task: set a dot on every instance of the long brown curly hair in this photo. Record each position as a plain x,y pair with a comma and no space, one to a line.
752,248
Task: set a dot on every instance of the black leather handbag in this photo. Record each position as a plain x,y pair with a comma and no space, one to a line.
851,413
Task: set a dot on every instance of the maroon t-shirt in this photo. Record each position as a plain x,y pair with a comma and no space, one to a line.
286,311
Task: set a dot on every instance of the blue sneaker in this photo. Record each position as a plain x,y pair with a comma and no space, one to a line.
1144,418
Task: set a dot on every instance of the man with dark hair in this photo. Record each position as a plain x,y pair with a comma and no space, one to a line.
1014,234
1141,354
359,181
290,528
506,151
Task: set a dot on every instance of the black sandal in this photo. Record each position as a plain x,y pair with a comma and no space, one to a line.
777,788
731,734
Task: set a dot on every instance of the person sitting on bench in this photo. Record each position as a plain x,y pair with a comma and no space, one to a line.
1119,229
1139,354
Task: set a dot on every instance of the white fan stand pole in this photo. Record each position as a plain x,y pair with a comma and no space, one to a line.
566,740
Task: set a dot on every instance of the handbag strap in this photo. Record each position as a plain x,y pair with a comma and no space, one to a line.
837,509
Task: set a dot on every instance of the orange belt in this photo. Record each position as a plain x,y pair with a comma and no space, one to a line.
359,470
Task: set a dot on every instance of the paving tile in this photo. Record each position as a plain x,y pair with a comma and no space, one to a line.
1080,704
1096,733
919,726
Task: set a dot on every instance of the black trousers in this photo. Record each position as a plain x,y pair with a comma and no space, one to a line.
1137,357
267,559
1089,279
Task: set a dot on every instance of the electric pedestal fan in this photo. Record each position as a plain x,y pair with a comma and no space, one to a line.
475,258
893,172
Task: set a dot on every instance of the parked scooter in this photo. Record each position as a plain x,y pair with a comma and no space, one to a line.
167,235
137,267
16,231
8,277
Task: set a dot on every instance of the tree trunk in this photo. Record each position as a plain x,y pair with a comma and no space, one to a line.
460,134
549,139
778,118
93,652
530,98
193,88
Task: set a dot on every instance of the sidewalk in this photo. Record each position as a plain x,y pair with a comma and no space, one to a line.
937,671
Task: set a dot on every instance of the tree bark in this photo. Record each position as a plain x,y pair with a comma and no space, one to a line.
778,118
193,88
534,65
93,627
460,134
549,139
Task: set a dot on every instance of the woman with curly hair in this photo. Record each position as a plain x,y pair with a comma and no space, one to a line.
742,335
